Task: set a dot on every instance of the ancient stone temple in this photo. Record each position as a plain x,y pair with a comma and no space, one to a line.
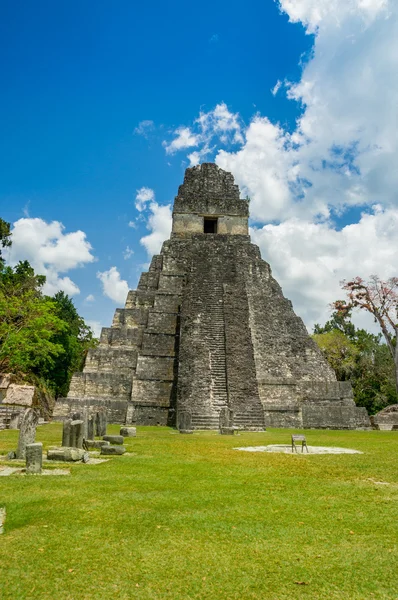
208,330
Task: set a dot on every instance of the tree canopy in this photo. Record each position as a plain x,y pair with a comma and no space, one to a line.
43,340
360,357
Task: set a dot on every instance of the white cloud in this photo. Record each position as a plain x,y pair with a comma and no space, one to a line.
218,125
159,223
317,14
342,153
345,146
128,253
220,121
144,128
50,251
132,224
276,87
143,196
184,139
113,286
310,259
263,169
89,298
95,326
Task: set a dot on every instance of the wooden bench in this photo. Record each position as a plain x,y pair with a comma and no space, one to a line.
299,438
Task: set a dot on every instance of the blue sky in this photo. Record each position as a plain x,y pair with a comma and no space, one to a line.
100,99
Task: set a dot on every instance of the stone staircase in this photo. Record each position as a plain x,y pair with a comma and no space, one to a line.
5,416
251,418
213,329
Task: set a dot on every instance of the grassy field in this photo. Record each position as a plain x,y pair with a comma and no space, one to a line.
189,517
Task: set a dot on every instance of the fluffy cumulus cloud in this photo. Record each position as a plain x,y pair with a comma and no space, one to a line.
50,251
113,286
344,148
143,196
213,128
310,259
341,154
184,138
159,224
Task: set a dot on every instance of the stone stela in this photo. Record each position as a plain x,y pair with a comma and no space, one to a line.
207,340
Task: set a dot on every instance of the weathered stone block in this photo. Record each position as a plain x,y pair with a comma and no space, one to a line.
157,344
162,322
101,420
161,367
184,421
128,431
227,430
27,431
167,303
66,454
113,439
95,443
66,432
113,450
34,458
19,395
76,434
152,392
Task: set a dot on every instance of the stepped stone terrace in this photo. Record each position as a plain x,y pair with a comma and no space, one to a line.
208,329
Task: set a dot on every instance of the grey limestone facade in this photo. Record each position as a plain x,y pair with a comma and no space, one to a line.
208,329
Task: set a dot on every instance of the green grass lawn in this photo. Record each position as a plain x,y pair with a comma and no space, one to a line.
186,516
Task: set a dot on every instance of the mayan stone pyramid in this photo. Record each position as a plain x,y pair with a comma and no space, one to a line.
208,332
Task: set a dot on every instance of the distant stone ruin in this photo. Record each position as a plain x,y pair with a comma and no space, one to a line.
209,334
386,419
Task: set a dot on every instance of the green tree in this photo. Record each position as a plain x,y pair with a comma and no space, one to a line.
5,237
76,338
28,323
339,351
360,357
380,299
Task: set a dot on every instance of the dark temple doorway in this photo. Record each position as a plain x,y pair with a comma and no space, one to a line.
210,225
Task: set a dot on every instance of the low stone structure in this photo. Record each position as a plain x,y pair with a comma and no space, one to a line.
34,458
386,419
14,399
209,329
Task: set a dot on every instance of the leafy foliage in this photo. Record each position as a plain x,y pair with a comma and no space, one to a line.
28,322
76,338
42,340
360,357
5,235
379,298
